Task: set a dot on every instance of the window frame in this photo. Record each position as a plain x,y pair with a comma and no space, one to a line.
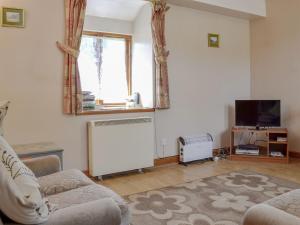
128,58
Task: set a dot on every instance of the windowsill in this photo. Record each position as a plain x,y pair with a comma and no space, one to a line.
115,110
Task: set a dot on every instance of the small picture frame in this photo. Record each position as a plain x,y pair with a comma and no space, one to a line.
213,40
13,17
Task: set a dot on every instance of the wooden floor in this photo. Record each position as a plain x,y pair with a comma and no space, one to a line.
165,176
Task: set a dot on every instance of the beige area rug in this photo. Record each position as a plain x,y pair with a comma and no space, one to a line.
220,200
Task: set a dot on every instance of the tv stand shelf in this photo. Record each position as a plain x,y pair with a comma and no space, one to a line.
271,145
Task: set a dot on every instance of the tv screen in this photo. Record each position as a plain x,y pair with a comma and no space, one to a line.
261,113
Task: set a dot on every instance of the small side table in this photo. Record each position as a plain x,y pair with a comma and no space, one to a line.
35,150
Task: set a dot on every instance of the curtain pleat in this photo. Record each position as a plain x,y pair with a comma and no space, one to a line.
161,54
74,19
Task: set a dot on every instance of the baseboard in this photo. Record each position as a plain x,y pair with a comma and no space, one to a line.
174,159
86,172
167,160
295,154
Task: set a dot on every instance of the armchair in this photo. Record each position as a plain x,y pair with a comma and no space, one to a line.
43,166
281,210
77,199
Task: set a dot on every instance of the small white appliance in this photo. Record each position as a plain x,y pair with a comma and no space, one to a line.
193,148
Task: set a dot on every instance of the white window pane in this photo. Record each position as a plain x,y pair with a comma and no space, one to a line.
114,82
112,87
87,67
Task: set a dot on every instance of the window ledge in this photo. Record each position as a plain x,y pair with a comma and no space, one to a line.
112,110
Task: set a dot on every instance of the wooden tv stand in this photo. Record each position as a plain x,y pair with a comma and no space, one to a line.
270,144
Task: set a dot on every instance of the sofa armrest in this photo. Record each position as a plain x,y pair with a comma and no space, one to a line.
42,166
263,214
99,212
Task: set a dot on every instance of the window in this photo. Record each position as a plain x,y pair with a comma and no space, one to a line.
105,67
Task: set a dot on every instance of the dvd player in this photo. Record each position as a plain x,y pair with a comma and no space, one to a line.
248,147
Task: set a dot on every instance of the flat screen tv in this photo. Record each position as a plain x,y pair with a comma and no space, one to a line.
258,113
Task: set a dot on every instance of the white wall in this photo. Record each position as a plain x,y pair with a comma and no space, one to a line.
275,49
93,23
31,78
255,7
142,56
203,81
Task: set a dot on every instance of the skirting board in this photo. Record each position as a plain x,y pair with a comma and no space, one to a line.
167,160
86,172
157,162
175,159
295,154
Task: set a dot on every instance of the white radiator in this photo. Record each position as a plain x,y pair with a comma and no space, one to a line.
120,145
195,148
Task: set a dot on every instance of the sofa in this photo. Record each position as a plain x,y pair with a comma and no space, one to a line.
281,210
76,199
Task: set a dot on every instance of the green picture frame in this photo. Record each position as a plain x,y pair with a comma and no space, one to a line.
213,40
13,17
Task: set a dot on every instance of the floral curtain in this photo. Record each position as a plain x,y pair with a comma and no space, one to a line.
75,13
161,54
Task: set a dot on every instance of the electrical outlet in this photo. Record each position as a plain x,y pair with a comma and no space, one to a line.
164,142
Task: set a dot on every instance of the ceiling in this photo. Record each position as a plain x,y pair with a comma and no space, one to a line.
225,7
115,9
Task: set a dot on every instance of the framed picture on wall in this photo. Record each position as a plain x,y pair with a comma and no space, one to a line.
213,40
13,17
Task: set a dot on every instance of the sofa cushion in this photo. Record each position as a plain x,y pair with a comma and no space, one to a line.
63,181
87,194
263,214
3,111
19,189
99,212
43,165
288,202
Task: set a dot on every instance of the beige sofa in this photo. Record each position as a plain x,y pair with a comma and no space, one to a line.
281,210
76,198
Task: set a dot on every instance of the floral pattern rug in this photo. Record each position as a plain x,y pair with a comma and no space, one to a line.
219,200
